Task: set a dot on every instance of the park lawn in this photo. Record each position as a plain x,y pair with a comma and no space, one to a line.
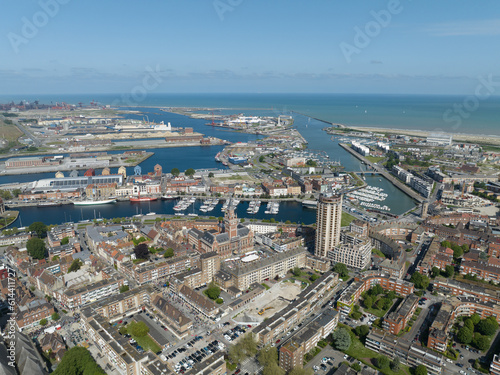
346,219
147,343
374,159
376,312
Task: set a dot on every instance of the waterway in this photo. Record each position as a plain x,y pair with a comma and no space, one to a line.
203,157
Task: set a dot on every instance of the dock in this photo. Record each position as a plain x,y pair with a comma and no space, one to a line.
376,169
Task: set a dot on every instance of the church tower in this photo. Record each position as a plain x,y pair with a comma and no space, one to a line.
231,223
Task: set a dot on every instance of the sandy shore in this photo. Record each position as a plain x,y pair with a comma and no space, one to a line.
460,137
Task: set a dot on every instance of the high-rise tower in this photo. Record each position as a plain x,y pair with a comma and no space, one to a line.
328,216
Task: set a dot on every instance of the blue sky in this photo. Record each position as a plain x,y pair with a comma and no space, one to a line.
248,46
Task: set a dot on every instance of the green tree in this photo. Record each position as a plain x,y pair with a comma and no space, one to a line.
341,339
476,318
268,356
124,288
65,241
341,269
36,248
39,228
123,330
48,298
449,271
435,271
75,265
314,277
175,172
311,163
273,370
55,316
190,172
457,251
236,354
382,362
420,281
487,326
469,324
395,364
362,331
262,158
386,303
213,292
391,295
138,329
420,370
249,344
464,335
78,361
297,272
219,301
481,342
356,367
210,175
16,192
43,322
169,253
368,302
376,290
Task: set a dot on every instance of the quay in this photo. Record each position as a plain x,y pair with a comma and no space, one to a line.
131,161
405,189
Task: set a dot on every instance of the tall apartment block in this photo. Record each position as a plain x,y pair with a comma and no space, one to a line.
328,216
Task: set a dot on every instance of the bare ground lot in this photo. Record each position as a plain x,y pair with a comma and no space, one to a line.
277,297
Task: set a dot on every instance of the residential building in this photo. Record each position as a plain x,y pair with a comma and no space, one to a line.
328,221
397,320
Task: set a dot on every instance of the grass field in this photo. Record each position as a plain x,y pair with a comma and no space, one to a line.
346,219
147,343
374,159
9,132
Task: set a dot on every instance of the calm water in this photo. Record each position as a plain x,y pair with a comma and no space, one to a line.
422,112
203,157
288,211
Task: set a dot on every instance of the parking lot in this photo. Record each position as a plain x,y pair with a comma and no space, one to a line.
194,351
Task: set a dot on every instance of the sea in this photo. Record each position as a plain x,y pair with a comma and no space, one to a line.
466,114
311,113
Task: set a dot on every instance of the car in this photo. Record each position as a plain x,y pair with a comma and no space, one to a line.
346,356
460,365
237,372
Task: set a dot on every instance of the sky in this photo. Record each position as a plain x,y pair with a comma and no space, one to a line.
198,46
